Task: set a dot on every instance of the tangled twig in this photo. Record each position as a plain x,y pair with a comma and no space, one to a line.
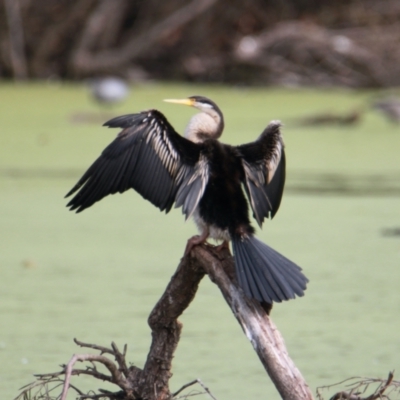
358,386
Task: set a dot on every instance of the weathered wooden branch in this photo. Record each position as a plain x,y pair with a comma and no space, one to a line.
166,329
152,382
358,389
257,325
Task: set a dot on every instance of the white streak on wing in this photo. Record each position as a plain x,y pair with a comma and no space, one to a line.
260,177
249,172
272,164
249,176
202,172
181,173
170,148
158,139
149,137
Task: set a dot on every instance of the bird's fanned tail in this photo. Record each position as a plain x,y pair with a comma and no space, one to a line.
264,274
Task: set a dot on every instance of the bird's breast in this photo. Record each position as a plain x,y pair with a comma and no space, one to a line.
214,231
223,206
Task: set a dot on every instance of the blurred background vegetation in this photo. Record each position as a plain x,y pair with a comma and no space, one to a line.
353,43
325,68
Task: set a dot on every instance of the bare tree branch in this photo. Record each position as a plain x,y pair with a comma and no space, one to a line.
16,37
152,382
117,377
120,358
362,385
166,328
102,349
84,58
257,325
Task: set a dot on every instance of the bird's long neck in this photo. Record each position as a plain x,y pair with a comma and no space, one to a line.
204,125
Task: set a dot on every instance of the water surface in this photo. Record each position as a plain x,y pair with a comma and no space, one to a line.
97,275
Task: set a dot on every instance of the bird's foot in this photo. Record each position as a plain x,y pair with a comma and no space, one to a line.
194,241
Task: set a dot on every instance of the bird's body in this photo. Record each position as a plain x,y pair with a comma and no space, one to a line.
223,206
206,178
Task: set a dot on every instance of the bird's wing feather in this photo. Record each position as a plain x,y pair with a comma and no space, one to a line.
150,157
264,166
193,185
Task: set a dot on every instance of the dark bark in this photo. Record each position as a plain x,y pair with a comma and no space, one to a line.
257,326
152,382
166,329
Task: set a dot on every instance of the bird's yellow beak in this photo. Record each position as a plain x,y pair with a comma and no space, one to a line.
186,102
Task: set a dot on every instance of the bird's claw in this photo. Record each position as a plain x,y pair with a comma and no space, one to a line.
194,241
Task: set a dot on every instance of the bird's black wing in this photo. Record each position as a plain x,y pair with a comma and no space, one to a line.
150,157
264,166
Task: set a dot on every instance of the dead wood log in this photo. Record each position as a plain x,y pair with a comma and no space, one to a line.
356,388
166,329
257,325
152,382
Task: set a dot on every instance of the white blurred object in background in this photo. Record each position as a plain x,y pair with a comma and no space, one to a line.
108,90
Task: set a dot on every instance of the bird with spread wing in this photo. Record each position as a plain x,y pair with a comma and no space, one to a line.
209,180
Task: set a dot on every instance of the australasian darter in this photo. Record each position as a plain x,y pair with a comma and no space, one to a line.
206,178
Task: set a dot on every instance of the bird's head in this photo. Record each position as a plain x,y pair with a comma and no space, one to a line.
208,124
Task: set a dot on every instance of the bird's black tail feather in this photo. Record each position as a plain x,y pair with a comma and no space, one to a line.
264,274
